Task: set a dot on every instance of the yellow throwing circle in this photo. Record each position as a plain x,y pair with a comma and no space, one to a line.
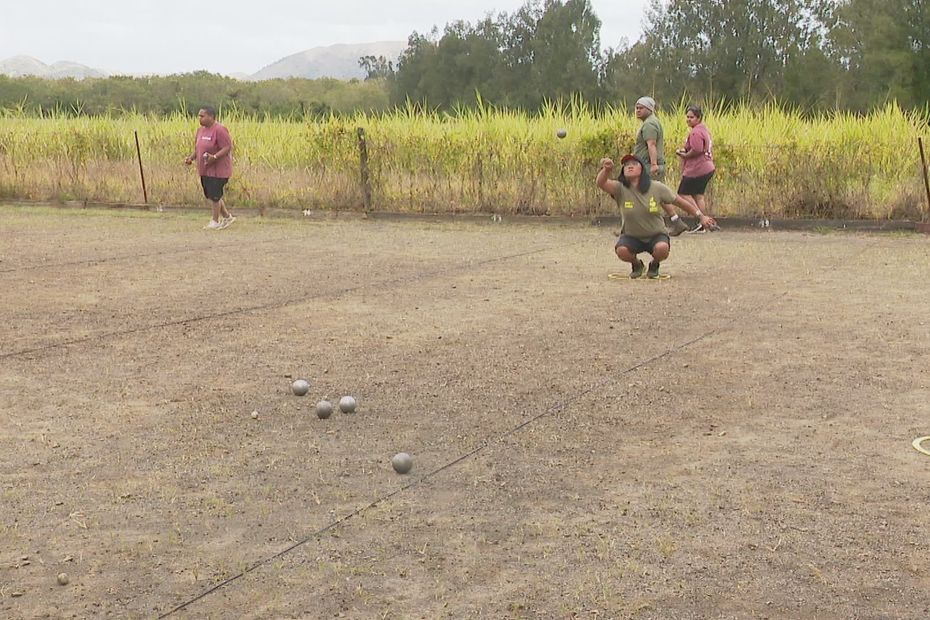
626,276
917,445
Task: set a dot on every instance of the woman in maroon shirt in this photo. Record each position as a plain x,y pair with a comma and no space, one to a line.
213,154
697,167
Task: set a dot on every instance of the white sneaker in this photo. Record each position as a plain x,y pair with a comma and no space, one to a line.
227,222
213,225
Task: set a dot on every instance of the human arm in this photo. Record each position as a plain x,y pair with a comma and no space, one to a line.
190,158
220,154
695,146
603,177
224,142
688,154
653,157
691,209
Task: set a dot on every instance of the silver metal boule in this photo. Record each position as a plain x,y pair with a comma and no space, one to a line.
324,409
402,462
301,387
347,404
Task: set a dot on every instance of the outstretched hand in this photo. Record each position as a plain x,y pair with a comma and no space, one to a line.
607,164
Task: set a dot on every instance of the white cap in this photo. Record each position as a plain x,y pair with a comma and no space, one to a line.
647,102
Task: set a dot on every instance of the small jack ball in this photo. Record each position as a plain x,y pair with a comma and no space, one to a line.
63,579
324,409
301,387
402,462
561,133
347,404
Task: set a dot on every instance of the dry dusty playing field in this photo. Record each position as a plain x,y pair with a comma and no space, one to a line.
734,442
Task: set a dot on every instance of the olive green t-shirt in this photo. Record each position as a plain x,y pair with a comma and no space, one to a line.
642,213
651,129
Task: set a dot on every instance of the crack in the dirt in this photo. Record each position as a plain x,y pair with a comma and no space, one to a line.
267,306
558,406
110,259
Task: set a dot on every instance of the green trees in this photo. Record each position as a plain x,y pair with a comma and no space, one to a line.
884,46
813,54
167,94
544,51
824,54
448,71
560,52
731,49
848,54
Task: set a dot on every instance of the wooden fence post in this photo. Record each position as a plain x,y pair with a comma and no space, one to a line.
923,166
145,194
363,164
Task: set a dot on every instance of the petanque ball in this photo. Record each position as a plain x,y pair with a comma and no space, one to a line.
63,579
402,462
324,409
301,387
561,133
347,404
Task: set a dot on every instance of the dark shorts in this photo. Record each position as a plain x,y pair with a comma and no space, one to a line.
213,187
695,186
638,246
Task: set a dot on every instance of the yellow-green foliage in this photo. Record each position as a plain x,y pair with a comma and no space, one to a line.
769,160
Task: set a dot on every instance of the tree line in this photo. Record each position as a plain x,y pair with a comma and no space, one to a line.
166,95
812,54
820,54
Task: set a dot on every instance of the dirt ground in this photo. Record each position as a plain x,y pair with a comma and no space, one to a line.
734,442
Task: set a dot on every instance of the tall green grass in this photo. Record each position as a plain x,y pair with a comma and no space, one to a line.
769,160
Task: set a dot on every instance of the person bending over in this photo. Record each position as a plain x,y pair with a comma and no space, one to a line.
641,201
697,167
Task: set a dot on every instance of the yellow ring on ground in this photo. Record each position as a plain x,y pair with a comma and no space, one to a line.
626,276
917,445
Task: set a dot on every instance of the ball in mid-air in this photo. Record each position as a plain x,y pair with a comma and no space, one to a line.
347,404
561,133
324,409
402,462
301,387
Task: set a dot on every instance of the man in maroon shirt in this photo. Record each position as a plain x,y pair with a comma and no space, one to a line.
213,154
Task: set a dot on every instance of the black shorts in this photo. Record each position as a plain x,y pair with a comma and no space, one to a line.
213,187
695,186
638,246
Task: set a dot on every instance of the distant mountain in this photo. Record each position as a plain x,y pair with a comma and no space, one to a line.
66,69
21,66
335,61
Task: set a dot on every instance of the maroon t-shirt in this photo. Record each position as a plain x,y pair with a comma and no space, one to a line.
698,140
210,140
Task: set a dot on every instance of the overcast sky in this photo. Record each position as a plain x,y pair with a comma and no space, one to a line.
239,36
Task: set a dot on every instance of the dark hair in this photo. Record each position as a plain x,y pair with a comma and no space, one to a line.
696,110
644,180
210,110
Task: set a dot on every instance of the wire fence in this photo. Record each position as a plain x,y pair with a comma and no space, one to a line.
453,171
